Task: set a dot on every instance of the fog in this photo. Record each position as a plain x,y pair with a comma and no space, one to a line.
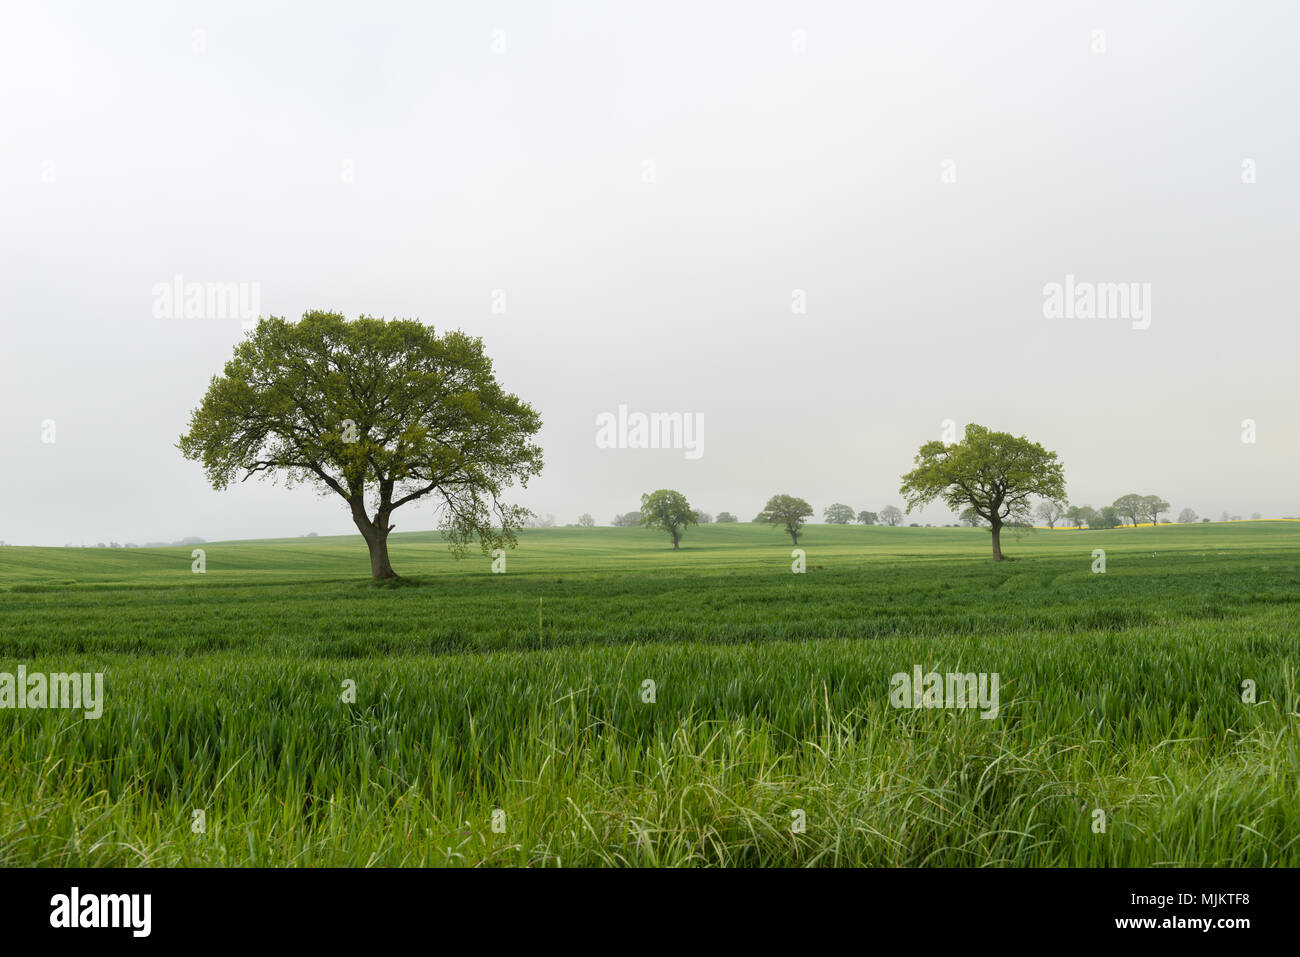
820,230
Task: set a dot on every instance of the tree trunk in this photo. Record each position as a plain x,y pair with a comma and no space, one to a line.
675,539
794,536
379,566
997,542
376,535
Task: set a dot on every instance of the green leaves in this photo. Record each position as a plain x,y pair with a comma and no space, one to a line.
993,473
786,511
382,413
668,510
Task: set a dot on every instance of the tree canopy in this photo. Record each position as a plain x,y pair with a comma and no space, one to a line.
838,514
1153,506
994,474
891,515
787,511
380,413
1131,507
669,511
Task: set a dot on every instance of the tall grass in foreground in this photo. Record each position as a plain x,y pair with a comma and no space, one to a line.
1145,723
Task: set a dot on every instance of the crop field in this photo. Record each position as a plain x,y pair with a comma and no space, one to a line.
608,700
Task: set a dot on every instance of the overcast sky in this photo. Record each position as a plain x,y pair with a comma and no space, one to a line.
650,190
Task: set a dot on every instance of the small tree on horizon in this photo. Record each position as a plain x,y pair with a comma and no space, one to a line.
787,511
993,473
669,511
891,515
1087,516
1153,506
867,518
1131,507
1186,517
1050,512
726,517
586,521
838,514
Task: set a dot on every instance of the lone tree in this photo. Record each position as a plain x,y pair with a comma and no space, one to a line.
867,518
668,510
788,511
1130,506
381,413
1154,506
1187,516
992,473
1050,512
838,514
891,515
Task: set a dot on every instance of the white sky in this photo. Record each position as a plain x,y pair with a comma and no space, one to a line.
774,171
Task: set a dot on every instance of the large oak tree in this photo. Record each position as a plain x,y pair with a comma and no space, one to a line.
993,473
380,413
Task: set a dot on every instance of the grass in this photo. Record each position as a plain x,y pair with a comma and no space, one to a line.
1120,692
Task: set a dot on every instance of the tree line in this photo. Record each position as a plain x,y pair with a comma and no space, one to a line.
385,413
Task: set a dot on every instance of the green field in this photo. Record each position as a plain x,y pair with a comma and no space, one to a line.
1120,692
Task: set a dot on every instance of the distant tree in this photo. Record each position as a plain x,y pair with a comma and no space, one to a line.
704,518
1130,507
541,521
669,511
585,520
838,514
995,473
1236,518
787,511
891,515
628,520
1153,506
1224,517
970,517
1187,517
1049,512
867,518
380,413
1205,520
726,517
1107,517
1256,516
1081,515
